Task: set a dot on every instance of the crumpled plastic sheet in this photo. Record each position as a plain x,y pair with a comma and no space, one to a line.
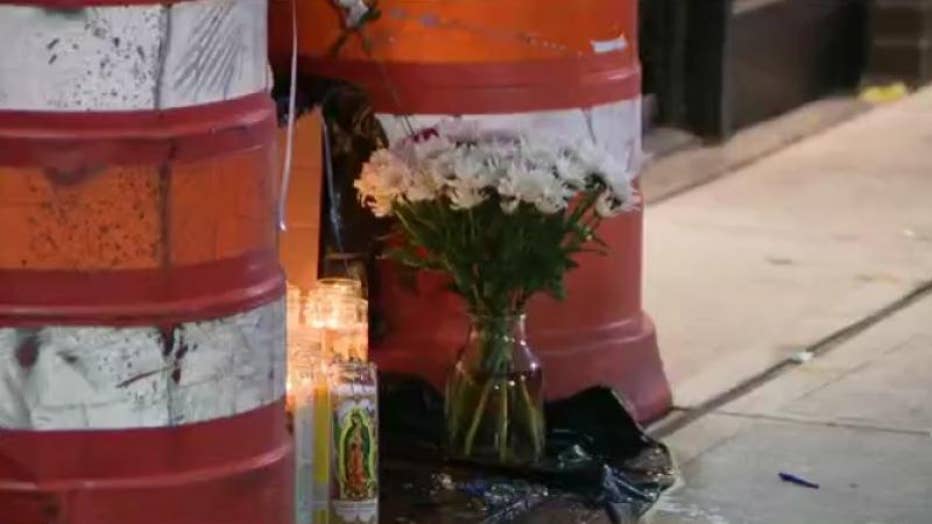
598,460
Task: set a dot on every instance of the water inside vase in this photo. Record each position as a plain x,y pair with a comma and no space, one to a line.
496,417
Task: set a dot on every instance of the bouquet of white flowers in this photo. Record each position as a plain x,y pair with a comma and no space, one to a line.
502,214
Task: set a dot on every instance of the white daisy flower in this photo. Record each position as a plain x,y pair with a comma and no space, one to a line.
463,197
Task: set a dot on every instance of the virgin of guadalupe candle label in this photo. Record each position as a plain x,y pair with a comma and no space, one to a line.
355,493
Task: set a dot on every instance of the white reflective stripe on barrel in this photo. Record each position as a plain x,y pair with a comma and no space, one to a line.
132,57
616,126
59,378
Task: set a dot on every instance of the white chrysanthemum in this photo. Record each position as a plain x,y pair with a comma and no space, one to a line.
538,187
383,179
572,172
607,204
509,206
477,166
541,153
614,173
431,147
464,197
593,157
623,190
459,162
422,186
381,205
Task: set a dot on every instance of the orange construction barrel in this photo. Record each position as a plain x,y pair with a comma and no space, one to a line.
568,69
142,356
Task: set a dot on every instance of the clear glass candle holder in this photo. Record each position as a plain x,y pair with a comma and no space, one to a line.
342,324
339,286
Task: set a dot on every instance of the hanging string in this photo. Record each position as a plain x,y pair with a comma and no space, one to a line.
289,140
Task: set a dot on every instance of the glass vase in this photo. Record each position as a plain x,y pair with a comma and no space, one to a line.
494,395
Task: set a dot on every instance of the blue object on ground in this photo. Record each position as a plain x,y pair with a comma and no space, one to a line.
793,479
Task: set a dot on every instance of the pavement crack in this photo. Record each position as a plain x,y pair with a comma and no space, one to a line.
825,423
856,369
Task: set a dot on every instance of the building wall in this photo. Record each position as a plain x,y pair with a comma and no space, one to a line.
901,41
716,66
785,53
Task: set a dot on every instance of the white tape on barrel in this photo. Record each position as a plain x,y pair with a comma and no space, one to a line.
616,126
132,57
63,378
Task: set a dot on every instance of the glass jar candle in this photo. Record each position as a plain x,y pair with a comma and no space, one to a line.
342,325
354,487
339,286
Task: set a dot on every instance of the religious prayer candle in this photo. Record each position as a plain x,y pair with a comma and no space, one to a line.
323,453
312,429
326,325
354,488
302,400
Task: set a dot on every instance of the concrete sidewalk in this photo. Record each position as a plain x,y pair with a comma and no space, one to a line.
823,248
746,271
856,420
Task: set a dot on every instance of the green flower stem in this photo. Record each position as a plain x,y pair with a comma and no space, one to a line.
533,418
456,389
503,423
494,359
476,418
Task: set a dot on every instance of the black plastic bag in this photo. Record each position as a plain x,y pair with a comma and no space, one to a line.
597,458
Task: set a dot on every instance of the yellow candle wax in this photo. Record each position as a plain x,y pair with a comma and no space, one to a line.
305,438
322,455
